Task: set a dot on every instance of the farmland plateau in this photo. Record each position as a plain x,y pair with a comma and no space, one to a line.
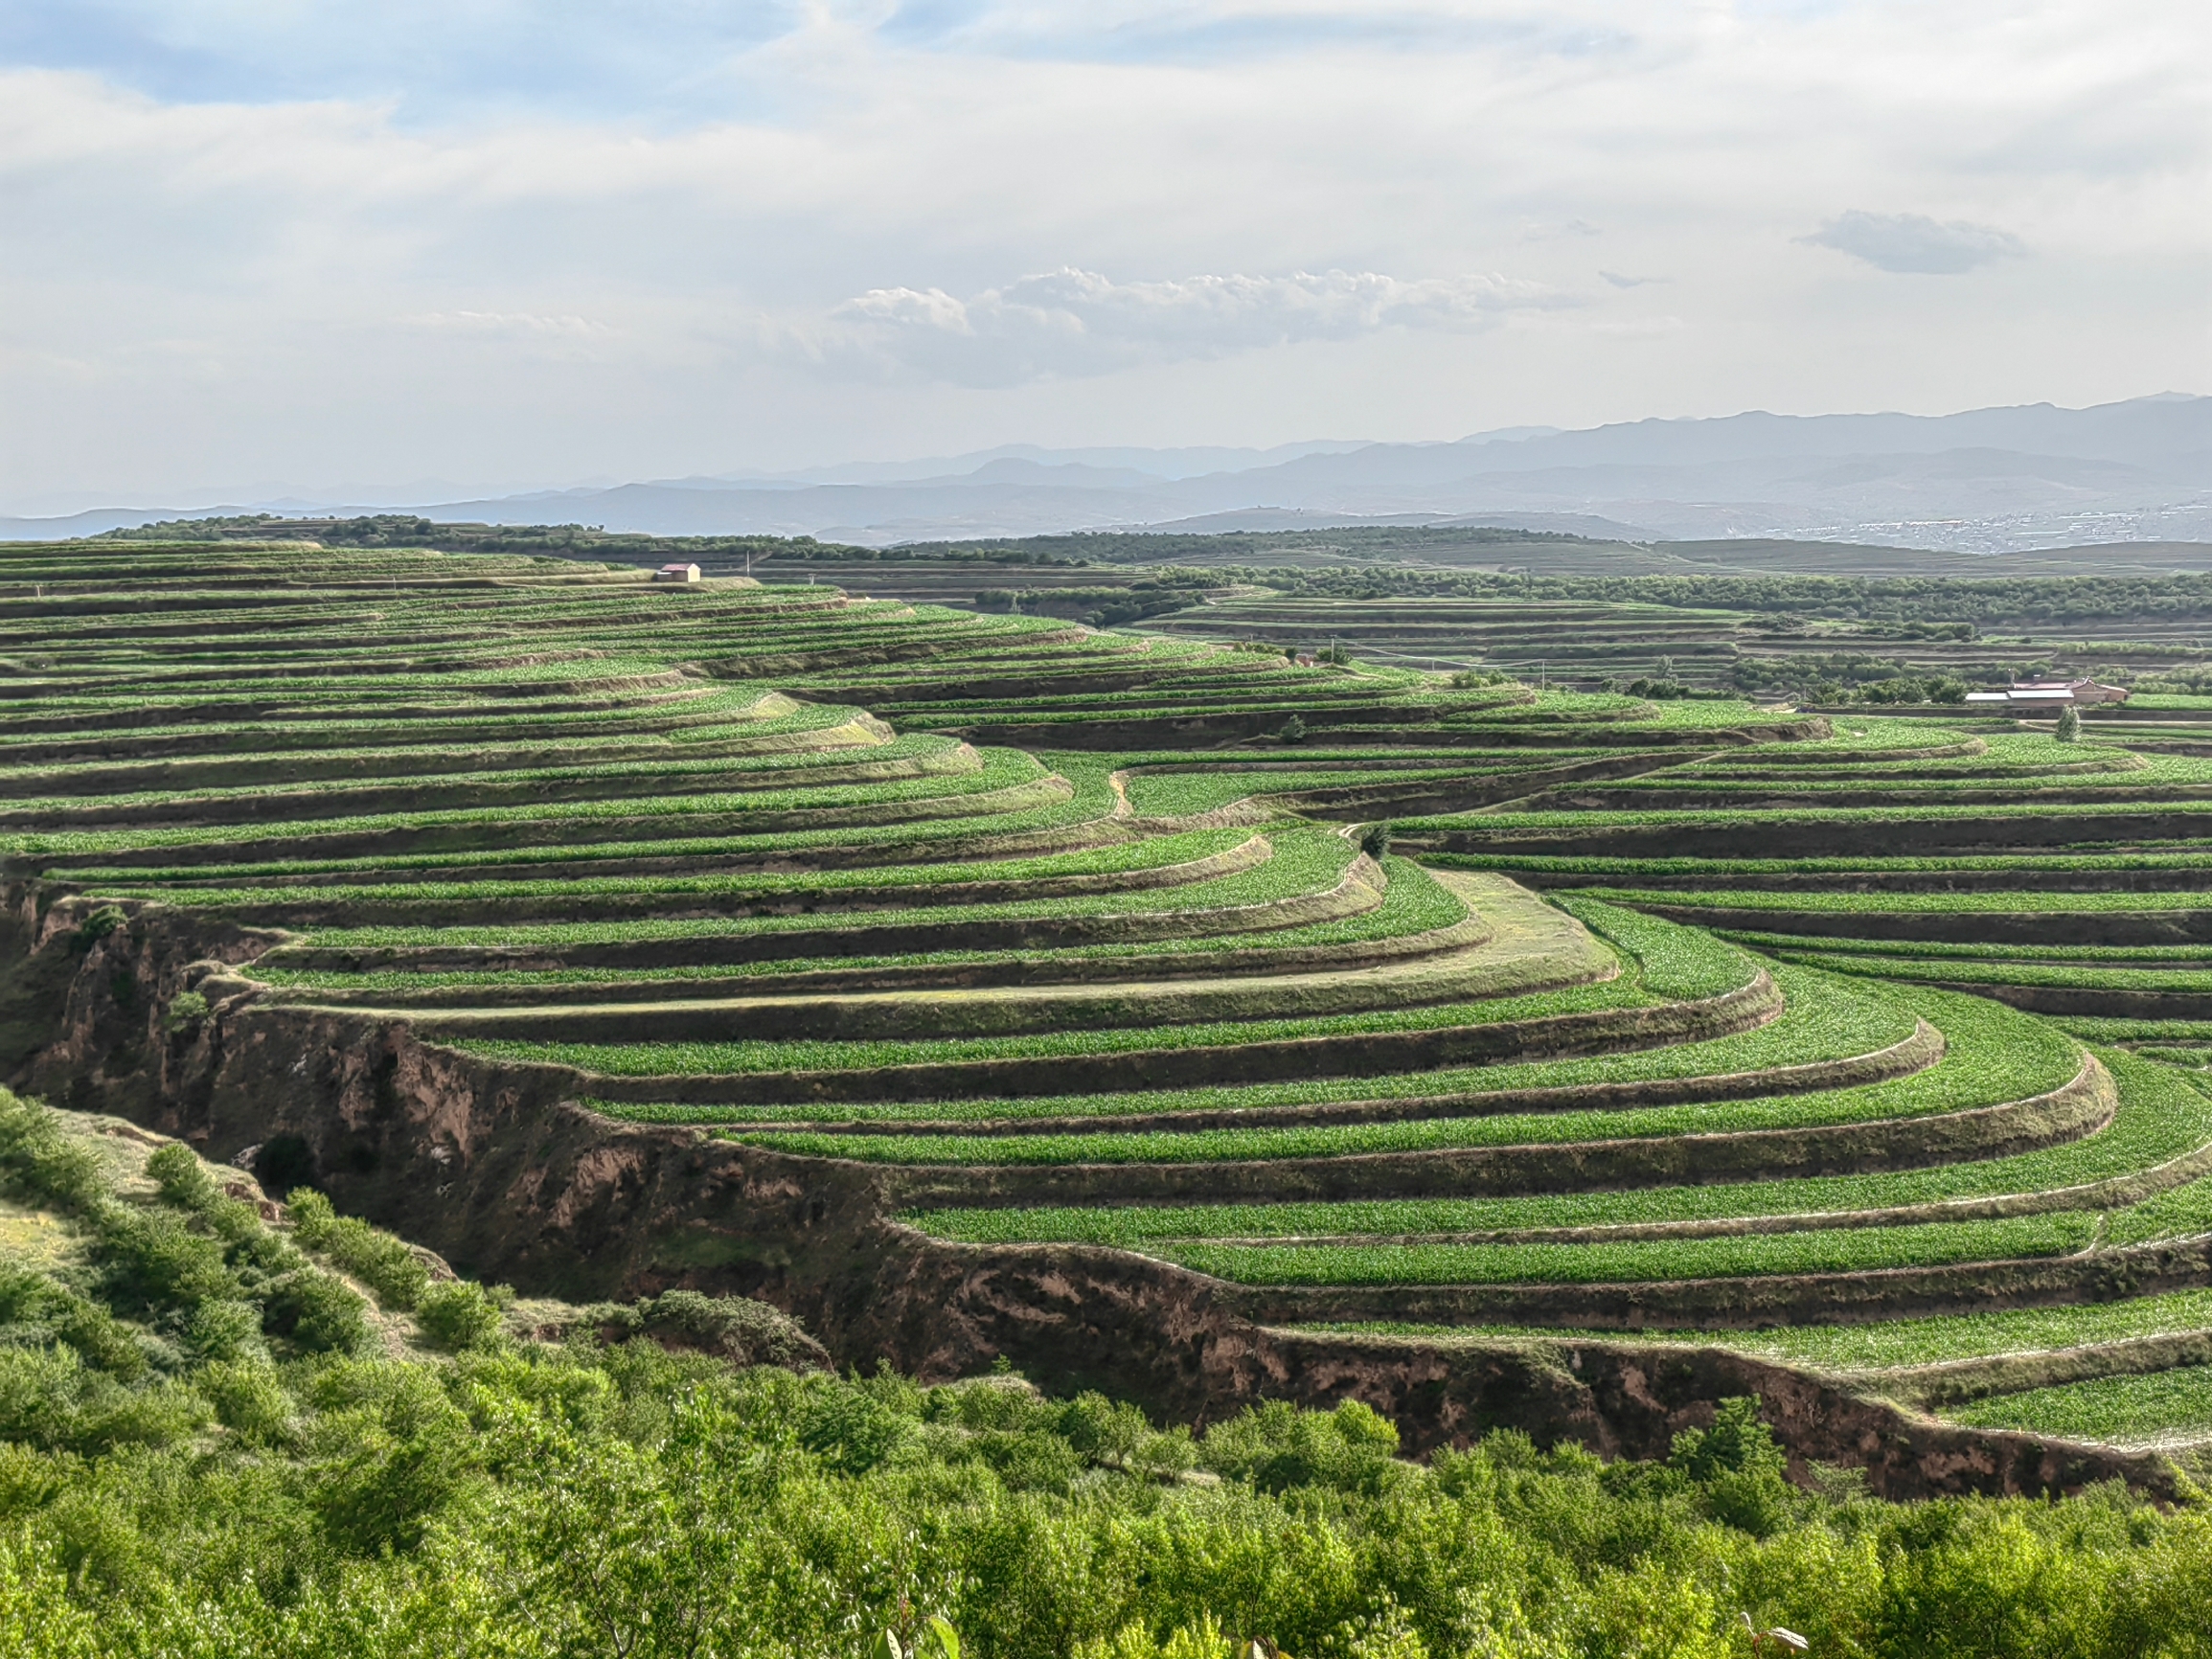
1153,1010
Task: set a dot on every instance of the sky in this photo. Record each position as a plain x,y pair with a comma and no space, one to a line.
259,245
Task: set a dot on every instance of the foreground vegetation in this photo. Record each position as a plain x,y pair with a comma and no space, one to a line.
567,1503
191,1468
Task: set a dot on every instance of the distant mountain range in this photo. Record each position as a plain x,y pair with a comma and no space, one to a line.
1986,481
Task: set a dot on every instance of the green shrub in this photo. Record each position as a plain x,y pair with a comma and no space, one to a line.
1107,1431
458,1314
1118,1434
41,1162
746,1331
186,1010
36,1304
2069,728
379,1261
315,1311
851,1429
181,1178
391,1456
153,1258
1277,1446
313,1217
98,926
39,1391
247,1396
103,1341
223,1329
1742,1471
160,1416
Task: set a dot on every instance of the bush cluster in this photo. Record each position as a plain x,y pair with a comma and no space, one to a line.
170,1288
576,1500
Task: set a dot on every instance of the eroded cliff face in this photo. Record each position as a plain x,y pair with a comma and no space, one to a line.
497,1169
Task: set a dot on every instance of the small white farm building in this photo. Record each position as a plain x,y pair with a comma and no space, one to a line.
676,572
2052,693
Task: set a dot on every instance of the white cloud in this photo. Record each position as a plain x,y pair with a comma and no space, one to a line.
555,338
1915,244
521,324
512,280
1072,322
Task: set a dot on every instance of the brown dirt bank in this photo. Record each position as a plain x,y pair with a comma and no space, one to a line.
492,1168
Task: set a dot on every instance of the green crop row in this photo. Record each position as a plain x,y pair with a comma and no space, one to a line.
2161,1407
1822,1018
2095,1030
691,697
1413,903
1949,970
2182,1213
1909,1342
1991,1059
1707,818
1085,807
1937,950
1003,769
1126,857
1844,1250
2161,1117
1678,963
1305,861
1910,903
461,751
1868,1350
935,756
2131,858
1179,794
665,1059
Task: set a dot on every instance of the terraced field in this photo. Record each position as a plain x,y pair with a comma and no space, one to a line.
1330,999
1583,639
1930,859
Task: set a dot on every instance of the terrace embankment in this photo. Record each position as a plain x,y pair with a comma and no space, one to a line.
496,1169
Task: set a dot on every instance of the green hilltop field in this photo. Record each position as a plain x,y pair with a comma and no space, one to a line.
801,979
